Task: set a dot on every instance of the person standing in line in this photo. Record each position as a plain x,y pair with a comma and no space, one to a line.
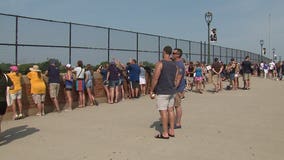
232,70
190,72
177,54
16,93
38,88
90,85
5,82
164,85
53,75
247,70
113,78
80,83
198,77
134,72
103,71
217,68
68,85
142,79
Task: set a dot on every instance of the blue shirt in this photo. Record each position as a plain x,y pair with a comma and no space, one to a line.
134,72
181,70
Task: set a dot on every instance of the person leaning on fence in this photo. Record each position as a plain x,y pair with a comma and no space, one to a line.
38,88
165,80
142,79
103,69
134,72
16,93
53,75
90,85
68,79
5,82
80,83
113,78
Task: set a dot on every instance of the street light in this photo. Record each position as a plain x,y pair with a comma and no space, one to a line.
208,19
273,52
261,42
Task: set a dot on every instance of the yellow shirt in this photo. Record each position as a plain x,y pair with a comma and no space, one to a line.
37,84
16,79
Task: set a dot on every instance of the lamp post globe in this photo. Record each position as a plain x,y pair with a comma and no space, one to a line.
208,19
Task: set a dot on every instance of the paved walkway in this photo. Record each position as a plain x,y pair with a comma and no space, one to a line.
231,125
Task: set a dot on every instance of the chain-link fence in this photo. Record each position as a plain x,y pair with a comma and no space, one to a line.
32,40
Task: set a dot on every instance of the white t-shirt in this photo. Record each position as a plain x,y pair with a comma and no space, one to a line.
80,72
271,65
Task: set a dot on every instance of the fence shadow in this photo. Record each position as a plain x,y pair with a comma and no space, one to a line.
16,133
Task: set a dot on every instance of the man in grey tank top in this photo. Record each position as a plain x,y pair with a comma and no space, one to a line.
165,80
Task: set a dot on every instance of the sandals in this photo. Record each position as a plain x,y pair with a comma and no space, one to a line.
160,136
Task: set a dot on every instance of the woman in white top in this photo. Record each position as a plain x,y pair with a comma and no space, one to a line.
142,80
80,83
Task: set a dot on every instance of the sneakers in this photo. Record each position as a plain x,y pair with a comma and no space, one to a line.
15,117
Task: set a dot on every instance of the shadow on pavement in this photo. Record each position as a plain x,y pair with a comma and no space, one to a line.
16,133
157,126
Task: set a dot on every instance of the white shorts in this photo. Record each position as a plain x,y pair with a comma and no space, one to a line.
165,101
17,95
142,80
38,98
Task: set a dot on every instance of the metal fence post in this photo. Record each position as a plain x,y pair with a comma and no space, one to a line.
137,43
70,42
108,45
201,51
159,48
16,41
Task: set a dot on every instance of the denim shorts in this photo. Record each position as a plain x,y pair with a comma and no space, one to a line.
113,84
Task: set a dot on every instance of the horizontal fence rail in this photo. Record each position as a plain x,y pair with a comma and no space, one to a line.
26,40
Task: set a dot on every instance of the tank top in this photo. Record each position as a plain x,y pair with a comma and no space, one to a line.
166,81
198,72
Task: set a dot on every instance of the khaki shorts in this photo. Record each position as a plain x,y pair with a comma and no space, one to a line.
38,98
178,99
216,79
54,90
165,101
17,95
247,76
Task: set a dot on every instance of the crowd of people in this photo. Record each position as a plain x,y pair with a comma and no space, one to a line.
167,83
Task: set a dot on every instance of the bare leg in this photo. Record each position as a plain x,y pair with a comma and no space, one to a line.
178,115
15,115
171,117
164,118
20,106
116,94
111,90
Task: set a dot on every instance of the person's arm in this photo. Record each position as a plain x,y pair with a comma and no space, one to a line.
178,77
86,77
156,75
107,75
221,69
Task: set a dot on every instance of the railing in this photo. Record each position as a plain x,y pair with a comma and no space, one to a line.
31,40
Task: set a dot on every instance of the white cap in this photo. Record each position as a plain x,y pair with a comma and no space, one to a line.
68,65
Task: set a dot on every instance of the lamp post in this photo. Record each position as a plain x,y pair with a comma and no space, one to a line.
261,42
208,19
273,52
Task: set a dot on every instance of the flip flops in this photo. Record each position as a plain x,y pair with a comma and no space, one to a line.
160,136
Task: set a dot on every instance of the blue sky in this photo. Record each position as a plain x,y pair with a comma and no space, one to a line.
240,23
